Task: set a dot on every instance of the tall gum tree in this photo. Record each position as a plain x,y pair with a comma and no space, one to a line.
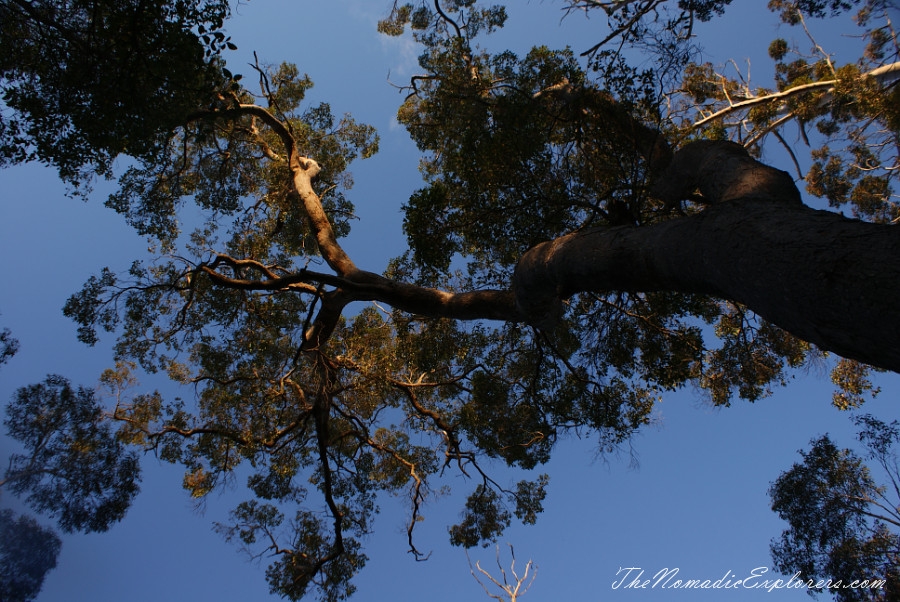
584,227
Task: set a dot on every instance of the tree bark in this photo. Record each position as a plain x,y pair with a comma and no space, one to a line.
829,280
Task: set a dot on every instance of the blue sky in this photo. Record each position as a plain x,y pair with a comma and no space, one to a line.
692,497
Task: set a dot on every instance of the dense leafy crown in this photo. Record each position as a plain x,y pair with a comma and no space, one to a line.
840,521
27,552
86,80
326,408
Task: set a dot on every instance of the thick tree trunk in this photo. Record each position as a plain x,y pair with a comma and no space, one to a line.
829,280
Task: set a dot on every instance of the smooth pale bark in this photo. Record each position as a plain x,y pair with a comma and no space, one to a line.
829,280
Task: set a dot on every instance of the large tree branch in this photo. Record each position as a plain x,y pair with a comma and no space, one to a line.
368,286
826,279
435,303
303,171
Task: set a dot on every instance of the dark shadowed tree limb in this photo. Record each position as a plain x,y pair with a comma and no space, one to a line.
827,279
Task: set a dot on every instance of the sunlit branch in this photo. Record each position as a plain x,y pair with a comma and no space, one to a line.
881,74
512,591
156,435
368,286
453,450
759,134
236,264
298,281
303,170
815,44
453,445
418,494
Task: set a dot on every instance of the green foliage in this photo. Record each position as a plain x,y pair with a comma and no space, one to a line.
85,308
789,9
141,69
221,166
430,21
499,426
700,83
753,355
842,525
511,156
704,10
9,346
852,380
302,564
778,49
74,468
529,495
320,406
292,574
484,519
28,552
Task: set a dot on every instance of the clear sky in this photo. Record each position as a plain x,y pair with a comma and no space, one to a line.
692,496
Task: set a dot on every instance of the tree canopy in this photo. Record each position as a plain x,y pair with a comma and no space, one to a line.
27,552
842,523
593,231
86,81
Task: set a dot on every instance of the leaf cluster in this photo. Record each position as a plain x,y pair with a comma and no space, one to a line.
9,346
28,552
74,468
842,525
83,82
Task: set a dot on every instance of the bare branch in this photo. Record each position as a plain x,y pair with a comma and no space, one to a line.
512,591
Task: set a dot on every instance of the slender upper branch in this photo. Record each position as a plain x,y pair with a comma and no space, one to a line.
612,8
881,74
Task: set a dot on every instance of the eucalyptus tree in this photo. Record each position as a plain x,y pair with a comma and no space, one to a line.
84,81
27,552
589,236
843,526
